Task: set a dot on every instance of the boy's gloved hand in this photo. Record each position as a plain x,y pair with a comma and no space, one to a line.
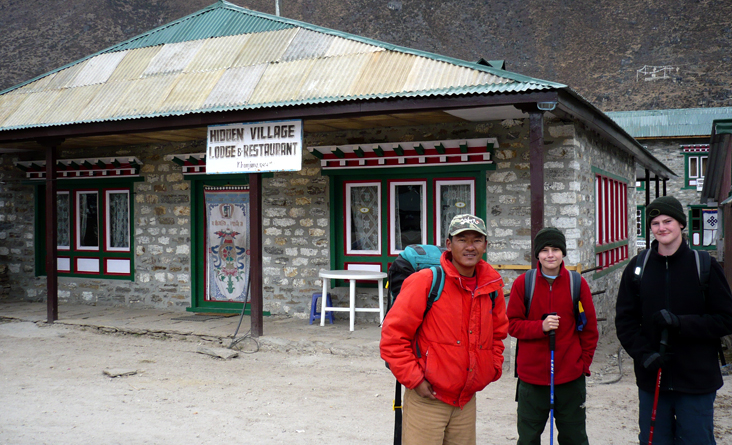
665,319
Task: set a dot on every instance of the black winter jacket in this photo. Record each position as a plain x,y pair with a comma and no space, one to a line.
672,283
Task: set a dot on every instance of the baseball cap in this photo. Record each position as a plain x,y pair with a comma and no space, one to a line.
463,223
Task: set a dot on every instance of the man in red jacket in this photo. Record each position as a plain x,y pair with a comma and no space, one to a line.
454,351
574,349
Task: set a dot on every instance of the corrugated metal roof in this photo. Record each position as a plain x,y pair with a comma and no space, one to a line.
680,122
229,58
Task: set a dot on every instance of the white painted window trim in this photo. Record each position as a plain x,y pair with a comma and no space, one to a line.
108,220
392,205
438,208
346,210
77,225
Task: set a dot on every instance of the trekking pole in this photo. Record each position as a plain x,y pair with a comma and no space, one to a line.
551,387
661,350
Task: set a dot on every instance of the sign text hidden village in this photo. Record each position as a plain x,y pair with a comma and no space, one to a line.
253,148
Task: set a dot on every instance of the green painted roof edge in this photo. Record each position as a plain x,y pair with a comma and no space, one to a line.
722,126
296,23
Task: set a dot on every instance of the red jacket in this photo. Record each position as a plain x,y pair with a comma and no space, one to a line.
573,349
460,352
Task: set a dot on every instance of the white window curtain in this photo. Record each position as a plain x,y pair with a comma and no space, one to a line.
364,215
63,216
119,220
455,199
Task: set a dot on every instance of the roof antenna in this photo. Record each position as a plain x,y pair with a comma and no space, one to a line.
277,8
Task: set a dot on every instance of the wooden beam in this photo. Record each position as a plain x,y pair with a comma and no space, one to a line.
51,235
255,245
536,171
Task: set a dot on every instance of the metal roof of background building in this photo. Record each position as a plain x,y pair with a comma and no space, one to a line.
682,122
225,57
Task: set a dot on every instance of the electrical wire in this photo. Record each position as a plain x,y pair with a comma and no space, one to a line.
235,342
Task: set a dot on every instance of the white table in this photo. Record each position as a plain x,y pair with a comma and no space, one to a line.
352,276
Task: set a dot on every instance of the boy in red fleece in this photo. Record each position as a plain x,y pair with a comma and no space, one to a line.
573,350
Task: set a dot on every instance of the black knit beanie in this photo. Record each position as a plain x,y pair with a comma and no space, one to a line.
551,237
666,205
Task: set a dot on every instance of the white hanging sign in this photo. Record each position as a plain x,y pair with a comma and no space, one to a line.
254,148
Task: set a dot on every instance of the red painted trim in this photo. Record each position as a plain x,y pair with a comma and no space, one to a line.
345,218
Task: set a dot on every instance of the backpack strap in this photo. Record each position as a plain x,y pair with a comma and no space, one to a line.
642,259
529,285
438,283
575,288
703,268
493,296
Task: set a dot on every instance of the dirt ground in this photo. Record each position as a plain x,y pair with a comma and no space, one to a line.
53,390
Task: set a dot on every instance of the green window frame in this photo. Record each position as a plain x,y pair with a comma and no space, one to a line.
94,229
695,168
382,248
701,237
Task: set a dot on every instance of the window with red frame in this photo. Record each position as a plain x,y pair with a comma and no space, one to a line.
611,221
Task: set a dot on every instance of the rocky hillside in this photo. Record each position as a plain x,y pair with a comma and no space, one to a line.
597,48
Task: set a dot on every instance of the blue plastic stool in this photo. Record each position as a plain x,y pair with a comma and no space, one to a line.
315,314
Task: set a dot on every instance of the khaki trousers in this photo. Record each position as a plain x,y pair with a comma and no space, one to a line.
433,422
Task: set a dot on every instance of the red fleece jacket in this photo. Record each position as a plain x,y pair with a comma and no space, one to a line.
574,349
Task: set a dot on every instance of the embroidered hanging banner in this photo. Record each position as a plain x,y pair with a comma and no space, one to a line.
711,219
227,243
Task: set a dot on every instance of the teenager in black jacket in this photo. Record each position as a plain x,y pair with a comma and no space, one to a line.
670,299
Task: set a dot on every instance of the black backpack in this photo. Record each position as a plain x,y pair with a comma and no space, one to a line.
413,259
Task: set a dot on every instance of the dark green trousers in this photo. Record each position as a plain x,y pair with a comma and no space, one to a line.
569,412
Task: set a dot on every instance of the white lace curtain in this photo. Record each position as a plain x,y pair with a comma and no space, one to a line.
119,220
454,200
365,218
63,233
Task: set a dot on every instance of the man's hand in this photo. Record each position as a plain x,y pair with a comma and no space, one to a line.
550,323
425,390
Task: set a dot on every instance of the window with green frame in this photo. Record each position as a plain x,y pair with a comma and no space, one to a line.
695,169
375,219
703,224
93,227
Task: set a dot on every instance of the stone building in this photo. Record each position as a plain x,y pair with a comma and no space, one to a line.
394,142
680,139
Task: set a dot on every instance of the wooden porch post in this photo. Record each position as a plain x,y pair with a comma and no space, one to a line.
51,232
648,201
536,170
255,219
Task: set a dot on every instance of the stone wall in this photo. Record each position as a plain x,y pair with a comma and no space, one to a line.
296,216
569,202
161,231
